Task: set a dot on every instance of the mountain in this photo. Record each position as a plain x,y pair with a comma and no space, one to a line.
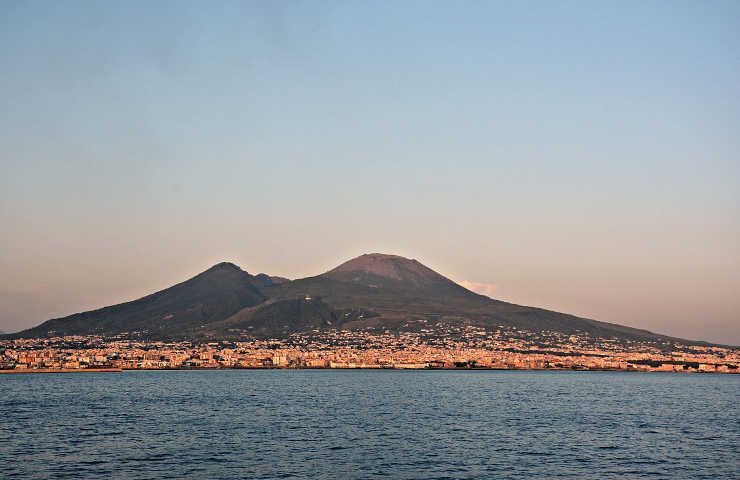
379,291
395,273
373,292
217,293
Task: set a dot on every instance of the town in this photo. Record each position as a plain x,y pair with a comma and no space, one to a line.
455,348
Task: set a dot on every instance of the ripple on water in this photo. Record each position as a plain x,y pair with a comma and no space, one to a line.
369,425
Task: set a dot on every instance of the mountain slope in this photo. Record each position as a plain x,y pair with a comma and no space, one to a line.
213,295
373,291
391,292
392,272
275,318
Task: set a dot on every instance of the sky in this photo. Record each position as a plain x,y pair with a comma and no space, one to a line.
577,156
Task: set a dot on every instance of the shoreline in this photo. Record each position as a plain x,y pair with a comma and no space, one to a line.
61,370
120,370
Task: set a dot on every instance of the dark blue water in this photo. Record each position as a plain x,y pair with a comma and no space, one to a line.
369,424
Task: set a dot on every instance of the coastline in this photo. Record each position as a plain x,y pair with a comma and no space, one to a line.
120,370
61,370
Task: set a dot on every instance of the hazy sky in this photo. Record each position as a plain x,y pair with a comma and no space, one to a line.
579,156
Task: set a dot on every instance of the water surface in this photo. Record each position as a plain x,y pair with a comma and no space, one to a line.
369,424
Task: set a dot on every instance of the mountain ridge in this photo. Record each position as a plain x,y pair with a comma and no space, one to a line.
374,291
222,289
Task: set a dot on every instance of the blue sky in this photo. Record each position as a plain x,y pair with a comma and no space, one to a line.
581,156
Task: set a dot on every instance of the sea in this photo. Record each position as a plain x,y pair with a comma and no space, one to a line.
369,424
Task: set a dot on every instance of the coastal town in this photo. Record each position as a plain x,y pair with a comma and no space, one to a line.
466,348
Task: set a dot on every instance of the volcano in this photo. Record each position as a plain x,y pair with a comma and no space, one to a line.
375,292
